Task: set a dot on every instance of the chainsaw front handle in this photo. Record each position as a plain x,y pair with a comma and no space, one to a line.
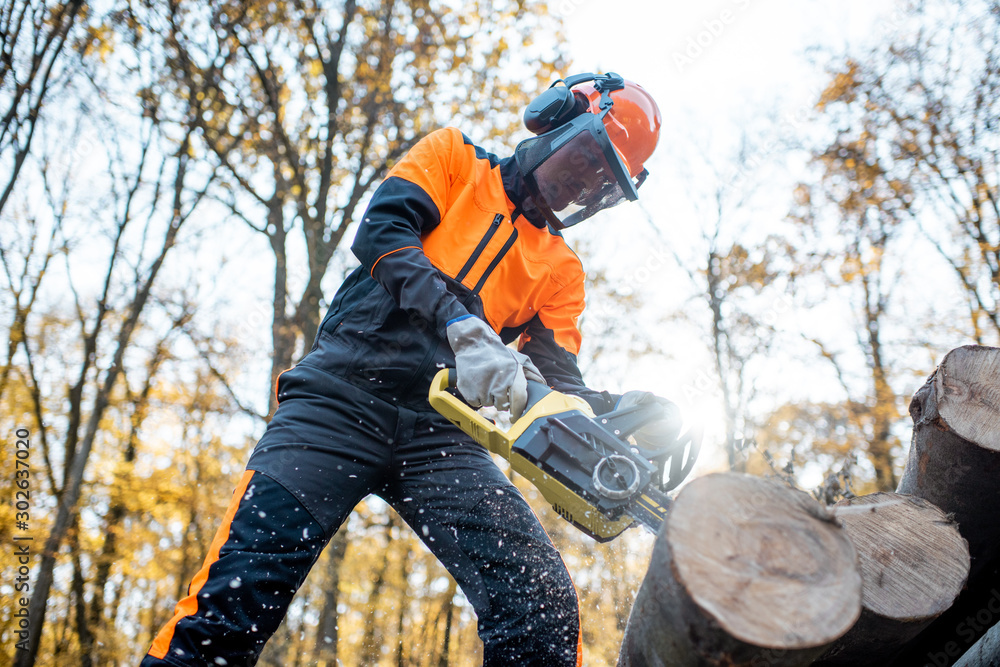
464,416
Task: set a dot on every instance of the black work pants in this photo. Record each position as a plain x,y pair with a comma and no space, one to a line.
329,445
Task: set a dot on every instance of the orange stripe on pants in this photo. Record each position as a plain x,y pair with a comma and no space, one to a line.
189,605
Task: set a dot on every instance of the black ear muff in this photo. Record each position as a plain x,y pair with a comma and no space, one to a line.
550,109
557,105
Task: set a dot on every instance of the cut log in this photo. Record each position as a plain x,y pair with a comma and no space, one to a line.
954,462
913,563
954,459
745,571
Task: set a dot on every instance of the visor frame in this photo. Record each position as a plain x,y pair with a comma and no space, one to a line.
594,125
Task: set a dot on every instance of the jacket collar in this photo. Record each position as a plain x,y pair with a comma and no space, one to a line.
517,193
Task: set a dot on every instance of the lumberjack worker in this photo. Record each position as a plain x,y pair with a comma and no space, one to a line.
461,254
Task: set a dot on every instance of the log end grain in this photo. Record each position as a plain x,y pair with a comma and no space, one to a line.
914,564
968,394
768,564
913,560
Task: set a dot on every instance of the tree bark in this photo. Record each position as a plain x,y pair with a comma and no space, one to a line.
959,628
746,571
913,563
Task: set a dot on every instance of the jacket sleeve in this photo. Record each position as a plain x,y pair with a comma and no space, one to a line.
552,341
408,203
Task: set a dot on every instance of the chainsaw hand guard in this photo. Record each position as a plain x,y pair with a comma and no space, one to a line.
675,461
674,453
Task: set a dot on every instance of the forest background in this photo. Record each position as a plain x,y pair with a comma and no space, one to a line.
179,184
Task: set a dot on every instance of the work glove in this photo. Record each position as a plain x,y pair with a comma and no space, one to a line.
657,434
489,372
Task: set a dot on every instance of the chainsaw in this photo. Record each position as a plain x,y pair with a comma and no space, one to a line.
585,465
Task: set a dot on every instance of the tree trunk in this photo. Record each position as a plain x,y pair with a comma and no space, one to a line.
913,563
954,459
449,624
282,336
66,510
84,631
746,571
371,641
955,632
403,603
327,631
954,462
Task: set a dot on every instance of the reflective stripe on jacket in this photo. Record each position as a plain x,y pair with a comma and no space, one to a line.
444,236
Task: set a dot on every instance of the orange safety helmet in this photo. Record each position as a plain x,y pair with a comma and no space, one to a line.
595,133
633,123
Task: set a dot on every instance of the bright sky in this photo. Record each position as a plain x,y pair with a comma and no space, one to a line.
714,67
713,56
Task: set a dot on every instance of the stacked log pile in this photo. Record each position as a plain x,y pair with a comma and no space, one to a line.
954,462
749,572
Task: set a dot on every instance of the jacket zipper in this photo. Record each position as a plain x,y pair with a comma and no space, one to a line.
493,265
422,368
494,226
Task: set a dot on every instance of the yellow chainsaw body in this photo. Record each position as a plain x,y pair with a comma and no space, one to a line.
566,502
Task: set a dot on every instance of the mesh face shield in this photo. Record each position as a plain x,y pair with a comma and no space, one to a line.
574,171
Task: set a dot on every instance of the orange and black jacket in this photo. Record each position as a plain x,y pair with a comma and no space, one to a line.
445,235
